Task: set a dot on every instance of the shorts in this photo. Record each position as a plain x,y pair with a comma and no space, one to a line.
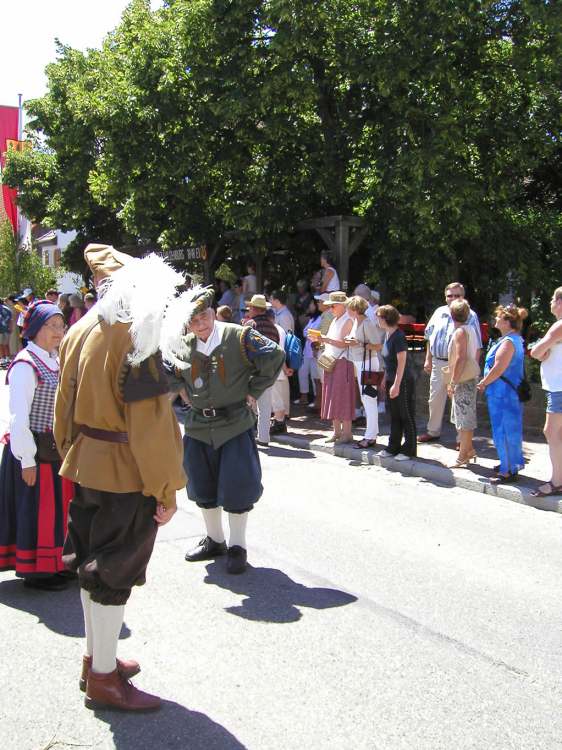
554,402
109,543
228,477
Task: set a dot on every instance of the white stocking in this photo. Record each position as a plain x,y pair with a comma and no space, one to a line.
106,625
213,523
237,523
86,606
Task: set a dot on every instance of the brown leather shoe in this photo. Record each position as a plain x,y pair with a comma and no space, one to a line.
127,668
113,691
427,438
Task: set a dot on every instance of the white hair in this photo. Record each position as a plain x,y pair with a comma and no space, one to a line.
139,294
174,327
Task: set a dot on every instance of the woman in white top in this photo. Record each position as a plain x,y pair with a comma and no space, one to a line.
33,497
463,349
330,278
365,342
338,392
549,352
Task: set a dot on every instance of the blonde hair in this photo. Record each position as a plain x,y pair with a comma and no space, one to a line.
513,314
558,292
357,304
460,310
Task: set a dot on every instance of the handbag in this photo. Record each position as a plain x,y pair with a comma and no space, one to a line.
370,377
326,361
47,452
523,390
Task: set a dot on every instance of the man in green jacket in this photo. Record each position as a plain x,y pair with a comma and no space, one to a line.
223,368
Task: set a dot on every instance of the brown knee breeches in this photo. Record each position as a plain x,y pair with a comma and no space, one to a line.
110,540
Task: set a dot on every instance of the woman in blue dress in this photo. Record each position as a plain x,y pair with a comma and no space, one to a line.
503,372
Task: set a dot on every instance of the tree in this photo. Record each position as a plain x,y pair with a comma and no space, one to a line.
21,268
208,119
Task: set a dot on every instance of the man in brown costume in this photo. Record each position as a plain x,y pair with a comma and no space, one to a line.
121,446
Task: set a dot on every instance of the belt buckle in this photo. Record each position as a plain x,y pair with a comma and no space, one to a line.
209,412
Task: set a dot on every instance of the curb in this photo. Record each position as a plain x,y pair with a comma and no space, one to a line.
425,469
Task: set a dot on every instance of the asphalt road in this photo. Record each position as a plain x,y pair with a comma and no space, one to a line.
380,612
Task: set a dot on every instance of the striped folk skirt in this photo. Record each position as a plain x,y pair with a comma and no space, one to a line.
338,392
33,520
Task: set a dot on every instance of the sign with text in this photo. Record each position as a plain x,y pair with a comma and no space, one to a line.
193,252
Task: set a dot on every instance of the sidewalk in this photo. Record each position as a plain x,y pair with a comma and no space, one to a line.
307,430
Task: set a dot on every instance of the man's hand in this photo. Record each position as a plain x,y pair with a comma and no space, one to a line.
252,403
427,366
163,514
29,475
394,391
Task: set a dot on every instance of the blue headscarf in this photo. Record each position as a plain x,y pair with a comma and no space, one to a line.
38,313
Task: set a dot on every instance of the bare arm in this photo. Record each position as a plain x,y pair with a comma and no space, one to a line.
541,349
346,330
501,363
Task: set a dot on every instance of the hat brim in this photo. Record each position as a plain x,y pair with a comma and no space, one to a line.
331,302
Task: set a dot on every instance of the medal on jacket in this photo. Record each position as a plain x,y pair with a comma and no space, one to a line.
198,383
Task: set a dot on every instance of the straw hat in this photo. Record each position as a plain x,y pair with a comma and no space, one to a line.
259,301
337,298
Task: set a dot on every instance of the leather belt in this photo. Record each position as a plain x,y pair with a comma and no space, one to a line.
441,359
224,411
105,435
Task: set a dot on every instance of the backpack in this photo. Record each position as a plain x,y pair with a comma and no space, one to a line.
293,351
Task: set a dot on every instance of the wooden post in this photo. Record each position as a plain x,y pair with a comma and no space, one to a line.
259,273
342,251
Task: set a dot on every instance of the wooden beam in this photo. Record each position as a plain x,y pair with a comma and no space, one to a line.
328,238
357,239
329,222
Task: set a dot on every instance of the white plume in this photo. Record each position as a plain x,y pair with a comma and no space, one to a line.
139,294
174,327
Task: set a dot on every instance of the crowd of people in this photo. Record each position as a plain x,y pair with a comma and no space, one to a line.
12,313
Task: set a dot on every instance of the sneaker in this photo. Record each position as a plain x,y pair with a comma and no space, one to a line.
402,457
385,454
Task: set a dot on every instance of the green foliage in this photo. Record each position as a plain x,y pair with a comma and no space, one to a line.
438,123
21,268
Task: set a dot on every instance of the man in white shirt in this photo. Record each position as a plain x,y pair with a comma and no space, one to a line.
438,333
283,315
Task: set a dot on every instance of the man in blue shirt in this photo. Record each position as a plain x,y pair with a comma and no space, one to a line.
438,333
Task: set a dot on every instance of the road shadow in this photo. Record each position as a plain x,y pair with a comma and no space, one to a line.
60,611
276,450
271,595
173,727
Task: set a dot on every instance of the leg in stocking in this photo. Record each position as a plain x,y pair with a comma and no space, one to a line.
87,608
213,524
237,523
106,625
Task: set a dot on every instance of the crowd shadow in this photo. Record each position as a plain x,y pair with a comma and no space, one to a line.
173,727
276,450
60,611
271,595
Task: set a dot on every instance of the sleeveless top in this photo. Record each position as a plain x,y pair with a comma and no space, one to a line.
472,344
335,332
42,410
334,283
551,369
514,371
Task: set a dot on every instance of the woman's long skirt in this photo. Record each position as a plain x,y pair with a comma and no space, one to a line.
33,520
338,393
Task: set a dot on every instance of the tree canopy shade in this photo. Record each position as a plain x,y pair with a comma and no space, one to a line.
438,123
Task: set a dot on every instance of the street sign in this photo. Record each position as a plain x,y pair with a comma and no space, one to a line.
193,252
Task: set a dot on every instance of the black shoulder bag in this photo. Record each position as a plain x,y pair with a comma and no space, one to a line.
523,390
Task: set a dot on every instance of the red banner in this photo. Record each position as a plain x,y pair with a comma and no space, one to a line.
8,132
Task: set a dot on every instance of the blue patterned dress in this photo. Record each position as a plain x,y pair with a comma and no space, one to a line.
506,412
